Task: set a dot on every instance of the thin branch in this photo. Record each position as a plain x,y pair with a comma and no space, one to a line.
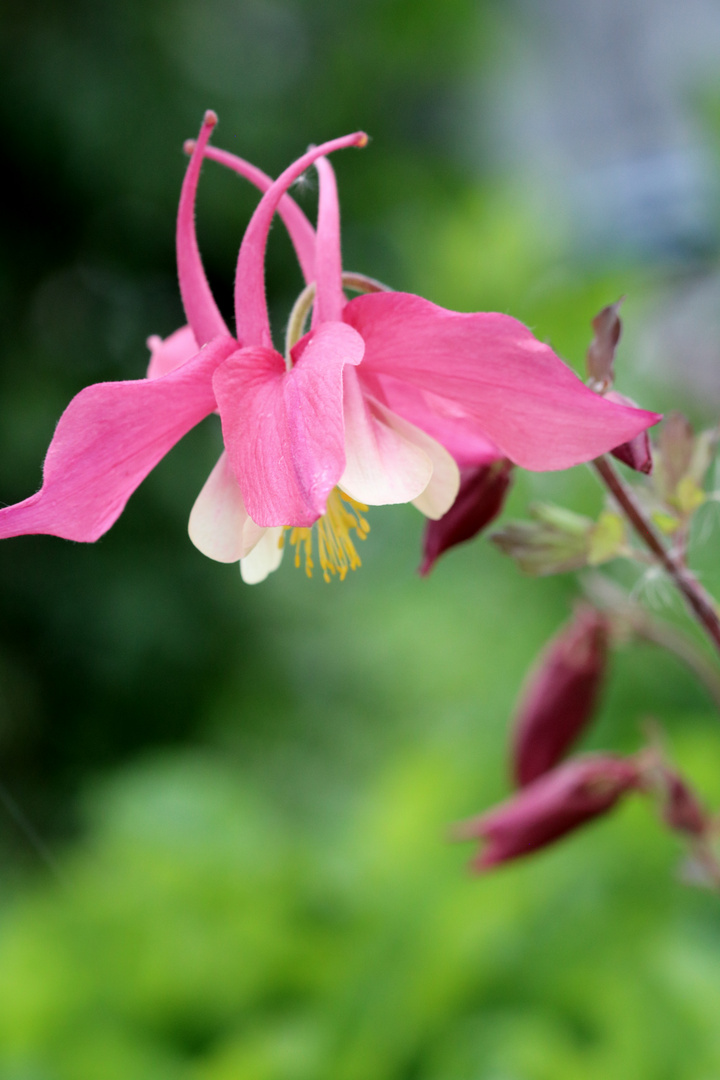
699,601
639,622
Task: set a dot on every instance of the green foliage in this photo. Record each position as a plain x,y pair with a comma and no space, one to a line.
202,933
285,904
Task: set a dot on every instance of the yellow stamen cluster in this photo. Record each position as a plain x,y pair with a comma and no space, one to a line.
336,550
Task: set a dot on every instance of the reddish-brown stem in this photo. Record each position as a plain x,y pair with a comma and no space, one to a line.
701,604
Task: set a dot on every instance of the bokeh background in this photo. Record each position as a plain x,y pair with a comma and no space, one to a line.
223,809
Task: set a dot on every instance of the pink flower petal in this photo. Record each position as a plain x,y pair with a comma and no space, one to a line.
283,430
200,307
388,457
108,439
382,465
265,557
219,525
169,353
301,231
524,398
442,490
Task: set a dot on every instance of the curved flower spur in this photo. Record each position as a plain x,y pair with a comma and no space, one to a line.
357,416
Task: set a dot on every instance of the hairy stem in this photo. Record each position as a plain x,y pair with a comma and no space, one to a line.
628,615
701,604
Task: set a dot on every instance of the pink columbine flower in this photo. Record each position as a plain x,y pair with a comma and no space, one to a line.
363,411
426,381
553,805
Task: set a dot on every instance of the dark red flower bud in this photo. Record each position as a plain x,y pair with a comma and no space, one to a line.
682,809
479,501
560,801
560,695
636,453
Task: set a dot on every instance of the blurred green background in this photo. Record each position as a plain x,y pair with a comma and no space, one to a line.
241,795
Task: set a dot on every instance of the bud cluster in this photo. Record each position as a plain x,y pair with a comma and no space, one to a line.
556,793
554,796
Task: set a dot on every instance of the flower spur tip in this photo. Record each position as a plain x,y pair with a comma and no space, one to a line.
210,118
362,139
188,146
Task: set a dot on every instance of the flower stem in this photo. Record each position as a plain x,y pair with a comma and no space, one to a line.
626,614
701,604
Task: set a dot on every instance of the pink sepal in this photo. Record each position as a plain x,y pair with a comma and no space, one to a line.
522,396
444,420
283,430
108,439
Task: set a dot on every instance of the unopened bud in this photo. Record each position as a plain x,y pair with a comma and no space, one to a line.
555,540
601,354
555,804
706,443
676,440
479,501
636,453
560,695
683,461
682,809
680,806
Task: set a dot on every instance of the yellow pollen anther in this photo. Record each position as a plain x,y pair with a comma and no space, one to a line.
336,550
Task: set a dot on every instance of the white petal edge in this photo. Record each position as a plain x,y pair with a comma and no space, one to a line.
220,526
265,557
444,484
382,465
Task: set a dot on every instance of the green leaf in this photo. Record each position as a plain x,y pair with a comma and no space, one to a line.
689,496
666,523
